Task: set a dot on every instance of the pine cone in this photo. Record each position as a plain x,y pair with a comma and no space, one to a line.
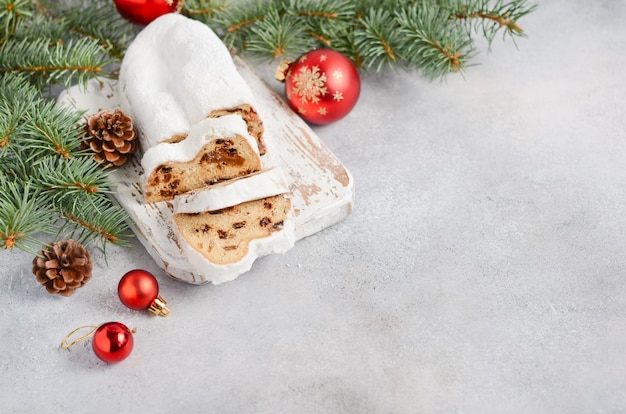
111,136
63,267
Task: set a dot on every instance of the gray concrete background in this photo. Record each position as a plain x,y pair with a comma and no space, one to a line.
482,271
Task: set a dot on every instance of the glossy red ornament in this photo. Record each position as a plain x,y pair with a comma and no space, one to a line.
322,86
139,289
142,12
112,342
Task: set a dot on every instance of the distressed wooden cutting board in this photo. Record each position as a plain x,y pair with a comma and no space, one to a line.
322,188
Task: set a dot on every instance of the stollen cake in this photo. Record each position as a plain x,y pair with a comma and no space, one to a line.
177,72
215,150
224,228
202,140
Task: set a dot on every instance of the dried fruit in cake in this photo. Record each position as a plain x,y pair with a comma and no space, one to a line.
222,229
216,150
223,236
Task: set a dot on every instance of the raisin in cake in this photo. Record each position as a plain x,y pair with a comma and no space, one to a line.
177,72
215,150
222,229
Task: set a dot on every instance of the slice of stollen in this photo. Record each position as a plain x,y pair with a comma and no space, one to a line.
177,72
223,229
265,183
215,150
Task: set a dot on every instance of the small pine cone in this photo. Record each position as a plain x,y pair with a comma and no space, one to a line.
111,136
63,267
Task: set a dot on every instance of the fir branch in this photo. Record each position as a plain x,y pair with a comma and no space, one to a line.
236,22
44,63
23,213
325,18
378,41
84,18
51,130
434,46
45,180
9,126
434,36
348,47
484,17
16,89
278,35
63,178
11,12
203,10
17,97
40,27
13,167
94,218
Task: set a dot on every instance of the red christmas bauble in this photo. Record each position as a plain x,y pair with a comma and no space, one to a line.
137,289
322,86
142,12
112,342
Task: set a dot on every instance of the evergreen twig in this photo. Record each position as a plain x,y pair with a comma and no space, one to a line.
95,20
23,215
64,62
433,36
67,177
204,10
433,45
46,181
92,218
50,130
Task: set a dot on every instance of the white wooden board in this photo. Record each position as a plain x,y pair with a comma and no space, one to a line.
322,188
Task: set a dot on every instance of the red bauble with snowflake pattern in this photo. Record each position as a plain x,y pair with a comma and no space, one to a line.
322,86
142,12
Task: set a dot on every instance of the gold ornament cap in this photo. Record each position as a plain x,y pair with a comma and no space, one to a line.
282,69
159,307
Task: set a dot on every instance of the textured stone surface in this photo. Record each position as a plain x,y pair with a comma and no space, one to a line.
482,269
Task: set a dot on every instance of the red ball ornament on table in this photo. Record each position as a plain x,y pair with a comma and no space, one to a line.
138,289
321,86
142,12
112,342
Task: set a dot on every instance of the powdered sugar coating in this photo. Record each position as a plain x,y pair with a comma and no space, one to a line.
174,74
263,184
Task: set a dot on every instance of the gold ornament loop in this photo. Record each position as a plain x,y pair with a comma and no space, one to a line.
94,328
65,345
